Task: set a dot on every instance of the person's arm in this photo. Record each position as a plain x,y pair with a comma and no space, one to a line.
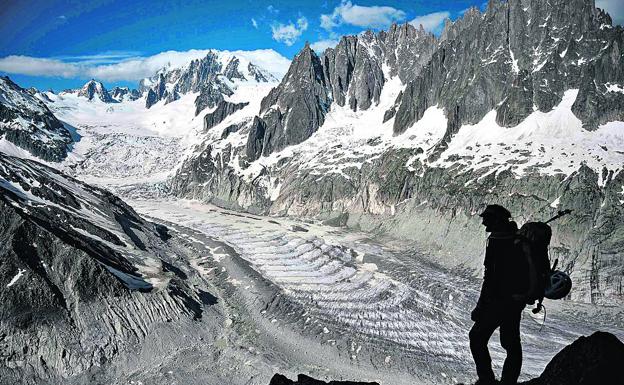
488,288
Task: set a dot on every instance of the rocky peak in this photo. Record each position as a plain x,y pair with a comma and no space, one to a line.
26,122
124,93
211,76
407,50
352,73
519,56
93,89
294,110
231,70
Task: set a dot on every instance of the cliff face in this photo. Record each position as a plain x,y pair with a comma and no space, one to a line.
407,134
518,57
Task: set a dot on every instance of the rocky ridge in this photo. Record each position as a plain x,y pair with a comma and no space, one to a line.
84,279
124,93
212,76
26,122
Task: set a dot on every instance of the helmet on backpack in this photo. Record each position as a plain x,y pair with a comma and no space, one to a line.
559,286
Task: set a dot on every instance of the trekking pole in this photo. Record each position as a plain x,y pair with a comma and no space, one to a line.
560,214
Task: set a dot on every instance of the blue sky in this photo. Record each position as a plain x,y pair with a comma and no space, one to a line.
61,44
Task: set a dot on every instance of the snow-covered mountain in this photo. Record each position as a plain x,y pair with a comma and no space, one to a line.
400,134
27,125
214,77
121,94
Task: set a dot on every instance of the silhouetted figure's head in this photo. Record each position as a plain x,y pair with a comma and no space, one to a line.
495,218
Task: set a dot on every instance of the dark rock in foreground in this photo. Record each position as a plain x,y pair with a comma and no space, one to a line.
592,360
302,379
596,359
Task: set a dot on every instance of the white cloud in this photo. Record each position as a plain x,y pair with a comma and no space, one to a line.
254,23
322,45
431,22
289,33
615,8
361,16
26,65
132,69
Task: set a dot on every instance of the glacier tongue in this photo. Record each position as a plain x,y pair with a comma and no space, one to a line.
365,297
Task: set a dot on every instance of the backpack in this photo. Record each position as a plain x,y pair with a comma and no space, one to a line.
533,239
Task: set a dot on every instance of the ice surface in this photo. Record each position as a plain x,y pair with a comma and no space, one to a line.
389,298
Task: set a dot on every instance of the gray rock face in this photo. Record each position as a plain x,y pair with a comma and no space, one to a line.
151,98
124,93
292,111
230,129
517,55
83,278
223,110
349,73
211,94
407,50
368,78
231,70
255,139
258,74
94,89
28,123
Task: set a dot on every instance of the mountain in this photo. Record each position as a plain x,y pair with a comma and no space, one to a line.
121,94
213,77
408,134
84,278
516,58
94,89
26,123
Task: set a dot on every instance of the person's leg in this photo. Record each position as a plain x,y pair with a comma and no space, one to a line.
479,336
510,341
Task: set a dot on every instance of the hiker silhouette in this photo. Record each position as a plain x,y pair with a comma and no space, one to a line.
501,301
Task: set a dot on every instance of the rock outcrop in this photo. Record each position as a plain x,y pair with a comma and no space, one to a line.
94,89
26,122
83,278
302,379
223,110
589,360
